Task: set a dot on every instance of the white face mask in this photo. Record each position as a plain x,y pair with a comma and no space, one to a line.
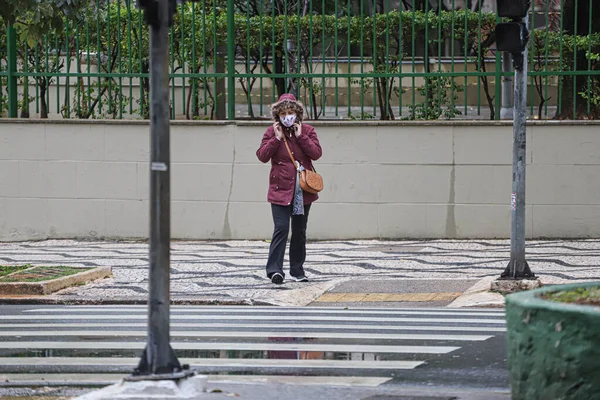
288,120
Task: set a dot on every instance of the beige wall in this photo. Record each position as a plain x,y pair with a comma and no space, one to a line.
63,179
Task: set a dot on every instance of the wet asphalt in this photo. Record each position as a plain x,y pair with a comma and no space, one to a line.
478,365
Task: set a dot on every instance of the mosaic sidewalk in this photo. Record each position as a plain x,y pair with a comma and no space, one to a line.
234,270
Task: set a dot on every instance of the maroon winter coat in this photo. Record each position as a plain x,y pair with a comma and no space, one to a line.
282,179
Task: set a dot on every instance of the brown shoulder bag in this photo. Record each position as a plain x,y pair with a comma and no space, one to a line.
310,181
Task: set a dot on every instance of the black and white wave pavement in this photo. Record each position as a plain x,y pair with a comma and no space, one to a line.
236,268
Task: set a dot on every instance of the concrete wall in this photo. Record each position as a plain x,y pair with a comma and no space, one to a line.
392,180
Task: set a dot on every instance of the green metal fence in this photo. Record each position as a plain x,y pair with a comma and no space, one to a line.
345,59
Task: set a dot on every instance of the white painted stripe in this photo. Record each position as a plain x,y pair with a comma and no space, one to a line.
108,379
246,334
355,327
291,308
254,318
211,362
270,311
343,348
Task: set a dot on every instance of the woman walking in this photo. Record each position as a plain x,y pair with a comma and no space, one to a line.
288,200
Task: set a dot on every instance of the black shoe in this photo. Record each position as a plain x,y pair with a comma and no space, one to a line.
277,278
302,278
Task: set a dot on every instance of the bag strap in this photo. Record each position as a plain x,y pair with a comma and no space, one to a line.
290,153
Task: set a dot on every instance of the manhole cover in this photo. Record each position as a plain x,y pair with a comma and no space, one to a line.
392,397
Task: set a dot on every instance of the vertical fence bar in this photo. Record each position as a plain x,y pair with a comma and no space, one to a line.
248,56
25,108
205,55
219,68
452,40
273,53
575,31
36,79
349,50
466,61
48,78
413,11
193,70
119,56
336,51
99,56
130,57
426,57
286,56
230,60
11,37
110,60
172,71
261,57
310,71
78,78
479,59
57,50
439,79
560,55
323,47
88,96
362,61
589,57
297,54
182,13
143,103
400,57
389,81
374,56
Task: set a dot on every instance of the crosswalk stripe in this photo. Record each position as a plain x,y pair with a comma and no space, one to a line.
254,318
246,334
213,362
382,310
411,336
263,326
105,379
233,346
271,311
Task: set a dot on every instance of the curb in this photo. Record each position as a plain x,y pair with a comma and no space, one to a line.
53,285
478,296
127,301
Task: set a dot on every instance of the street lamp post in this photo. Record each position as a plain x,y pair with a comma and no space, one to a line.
158,360
512,37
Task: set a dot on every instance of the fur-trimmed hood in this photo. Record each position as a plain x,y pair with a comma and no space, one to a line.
287,101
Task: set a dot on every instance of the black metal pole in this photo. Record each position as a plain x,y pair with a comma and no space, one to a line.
159,360
517,267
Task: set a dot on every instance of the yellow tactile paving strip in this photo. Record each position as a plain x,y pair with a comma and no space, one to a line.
391,297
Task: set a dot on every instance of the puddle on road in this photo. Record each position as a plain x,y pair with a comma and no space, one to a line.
218,354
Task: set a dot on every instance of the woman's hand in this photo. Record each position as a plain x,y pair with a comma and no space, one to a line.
278,131
298,127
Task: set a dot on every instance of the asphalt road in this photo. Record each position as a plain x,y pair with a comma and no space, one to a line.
461,349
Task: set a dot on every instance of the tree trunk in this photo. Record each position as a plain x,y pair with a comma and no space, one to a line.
573,105
43,105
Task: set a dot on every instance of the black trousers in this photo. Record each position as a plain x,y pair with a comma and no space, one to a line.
281,220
